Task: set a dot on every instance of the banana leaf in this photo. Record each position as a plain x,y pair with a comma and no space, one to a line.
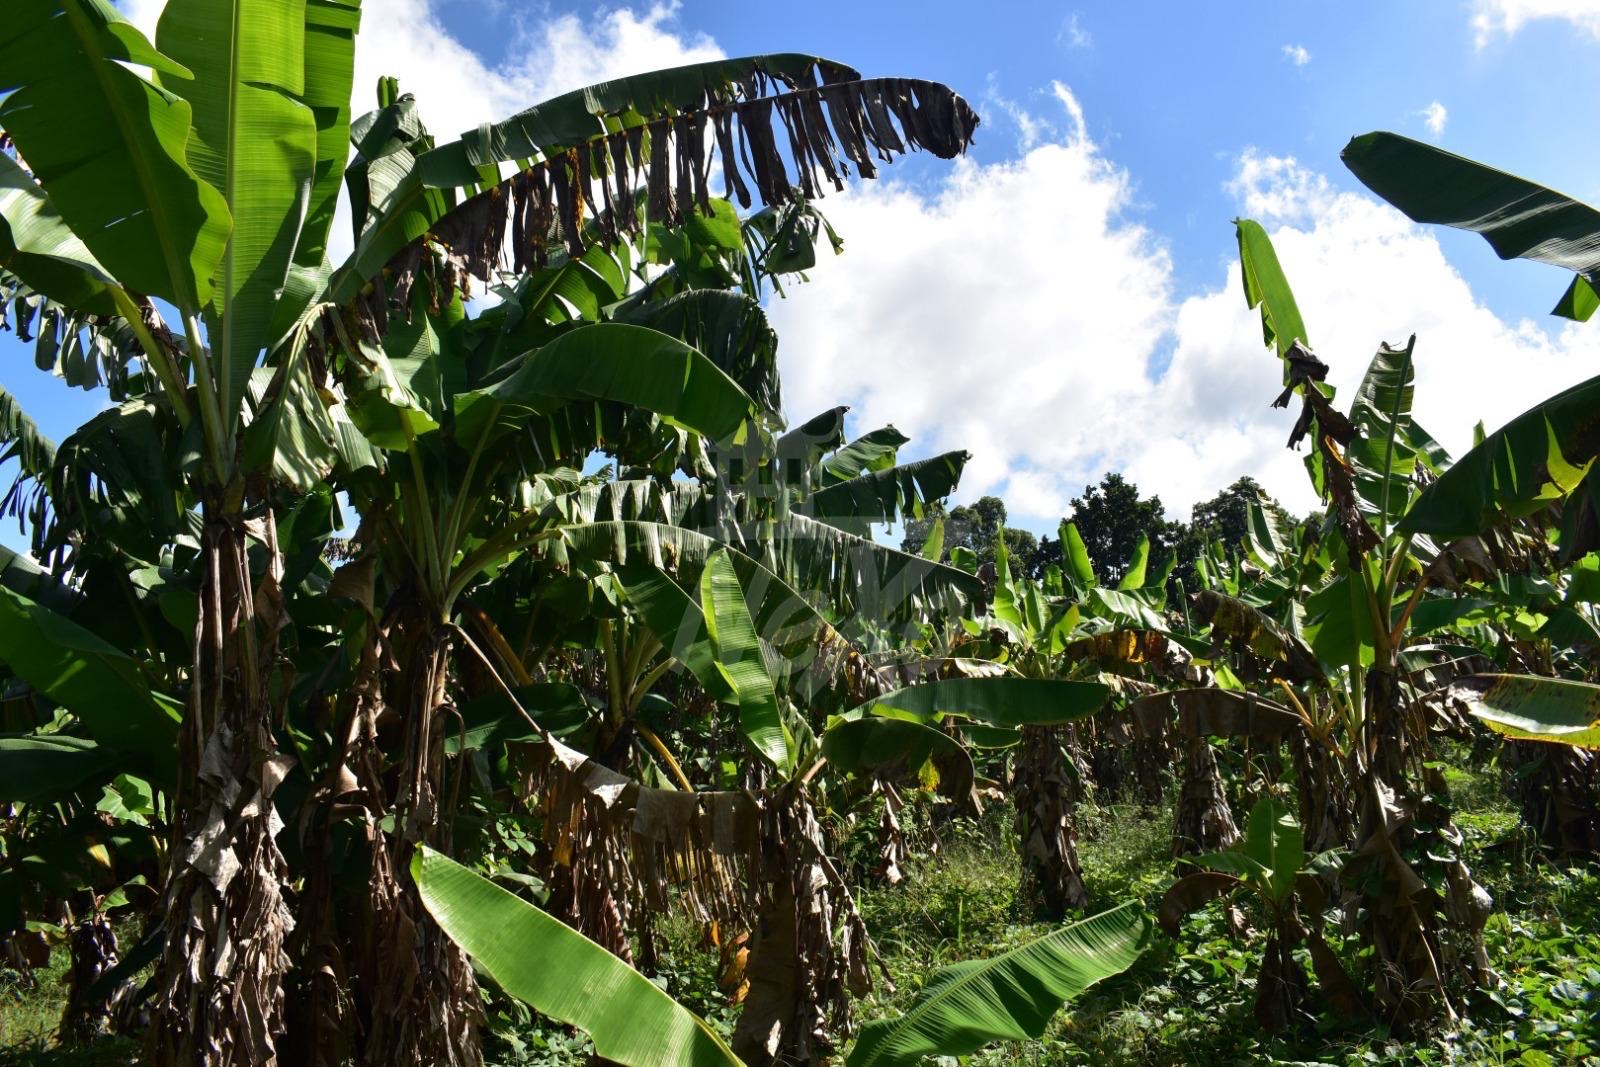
1005,998
562,974
1002,701
1520,219
1266,288
1530,708
881,747
659,131
888,495
254,142
41,250
92,679
740,662
41,766
609,362
1538,457
78,114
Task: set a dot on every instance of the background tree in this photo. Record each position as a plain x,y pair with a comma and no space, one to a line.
1112,516
976,526
1224,517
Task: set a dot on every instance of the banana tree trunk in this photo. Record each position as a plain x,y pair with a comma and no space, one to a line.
322,1030
1282,986
219,994
1324,801
1559,790
1152,760
1045,790
1421,939
800,974
424,1004
1204,822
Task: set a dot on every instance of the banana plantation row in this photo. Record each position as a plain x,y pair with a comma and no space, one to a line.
343,667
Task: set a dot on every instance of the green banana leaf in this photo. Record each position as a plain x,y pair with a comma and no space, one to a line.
1005,998
889,494
1266,288
1520,219
78,115
1274,840
1004,701
728,328
562,974
851,574
90,678
330,48
1539,456
876,746
330,51
35,766
608,362
784,619
678,623
42,251
814,438
1076,553
255,143
35,454
1530,708
933,547
866,579
1383,457
874,451
1134,576
740,662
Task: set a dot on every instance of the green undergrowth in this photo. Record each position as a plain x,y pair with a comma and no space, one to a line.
1188,1001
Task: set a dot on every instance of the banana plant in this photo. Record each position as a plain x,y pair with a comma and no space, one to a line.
1541,456
227,159
1271,869
1369,463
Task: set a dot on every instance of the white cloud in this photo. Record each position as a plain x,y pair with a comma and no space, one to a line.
1013,312
1039,352
1503,18
1297,54
1073,34
1434,116
1362,274
456,90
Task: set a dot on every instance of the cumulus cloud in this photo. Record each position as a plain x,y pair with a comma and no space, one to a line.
1503,18
1362,274
1012,311
1061,354
1022,310
1434,116
1297,54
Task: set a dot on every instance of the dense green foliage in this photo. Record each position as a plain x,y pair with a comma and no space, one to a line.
608,698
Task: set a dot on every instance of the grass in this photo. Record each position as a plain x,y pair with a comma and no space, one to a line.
1189,1000
30,1012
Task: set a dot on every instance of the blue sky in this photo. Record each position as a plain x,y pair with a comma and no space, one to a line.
1061,303
1174,91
